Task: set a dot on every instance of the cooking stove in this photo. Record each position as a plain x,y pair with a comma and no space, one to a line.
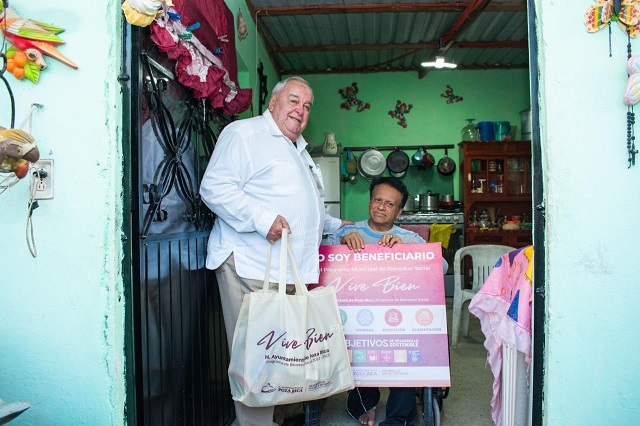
421,221
420,217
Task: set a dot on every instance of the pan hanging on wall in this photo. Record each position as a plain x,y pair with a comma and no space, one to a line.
446,165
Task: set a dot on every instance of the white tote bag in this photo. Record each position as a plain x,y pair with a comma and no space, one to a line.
288,348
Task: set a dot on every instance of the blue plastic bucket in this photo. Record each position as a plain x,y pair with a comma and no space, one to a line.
486,130
502,131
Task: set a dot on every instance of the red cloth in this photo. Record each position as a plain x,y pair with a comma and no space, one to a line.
216,22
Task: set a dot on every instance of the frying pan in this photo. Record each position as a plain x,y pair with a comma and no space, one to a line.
446,165
397,163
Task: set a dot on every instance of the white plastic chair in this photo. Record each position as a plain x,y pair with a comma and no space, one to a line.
483,259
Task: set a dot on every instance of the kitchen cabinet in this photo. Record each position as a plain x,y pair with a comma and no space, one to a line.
495,182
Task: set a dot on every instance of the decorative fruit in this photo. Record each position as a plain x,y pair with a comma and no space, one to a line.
10,64
18,73
20,59
22,168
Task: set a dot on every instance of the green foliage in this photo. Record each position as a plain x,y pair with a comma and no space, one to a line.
32,72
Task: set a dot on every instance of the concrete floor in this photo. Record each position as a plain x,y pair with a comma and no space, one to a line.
469,399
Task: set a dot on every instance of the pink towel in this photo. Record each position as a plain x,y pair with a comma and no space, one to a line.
503,306
422,230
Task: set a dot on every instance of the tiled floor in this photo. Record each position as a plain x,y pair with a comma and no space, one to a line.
468,402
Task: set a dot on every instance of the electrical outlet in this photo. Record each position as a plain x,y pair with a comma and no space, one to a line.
42,180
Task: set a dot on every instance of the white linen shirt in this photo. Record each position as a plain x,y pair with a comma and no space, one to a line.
254,175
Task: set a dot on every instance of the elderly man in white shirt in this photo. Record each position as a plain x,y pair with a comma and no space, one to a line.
261,182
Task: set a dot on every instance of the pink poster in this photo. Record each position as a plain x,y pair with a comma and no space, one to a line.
393,312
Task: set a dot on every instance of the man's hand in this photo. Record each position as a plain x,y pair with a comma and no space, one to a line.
389,240
275,232
353,240
346,222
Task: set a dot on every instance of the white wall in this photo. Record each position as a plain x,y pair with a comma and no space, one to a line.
592,211
61,314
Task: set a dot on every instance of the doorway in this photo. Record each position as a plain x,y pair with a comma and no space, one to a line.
177,354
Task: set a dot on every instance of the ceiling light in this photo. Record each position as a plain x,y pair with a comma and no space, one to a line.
439,63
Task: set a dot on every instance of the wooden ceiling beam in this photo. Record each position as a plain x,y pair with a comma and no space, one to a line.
465,18
460,7
402,46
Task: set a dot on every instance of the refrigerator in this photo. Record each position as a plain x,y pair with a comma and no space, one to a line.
330,169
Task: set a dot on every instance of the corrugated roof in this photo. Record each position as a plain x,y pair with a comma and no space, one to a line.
382,35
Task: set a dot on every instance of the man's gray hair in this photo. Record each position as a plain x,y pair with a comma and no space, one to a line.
278,87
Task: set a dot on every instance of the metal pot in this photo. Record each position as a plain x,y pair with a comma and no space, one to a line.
417,158
428,159
430,201
372,164
448,198
412,203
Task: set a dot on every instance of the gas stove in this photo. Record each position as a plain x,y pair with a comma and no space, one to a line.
430,217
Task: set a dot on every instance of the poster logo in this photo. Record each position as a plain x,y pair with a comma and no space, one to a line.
365,317
393,317
424,316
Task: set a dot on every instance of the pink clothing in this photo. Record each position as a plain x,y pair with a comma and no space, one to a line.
503,306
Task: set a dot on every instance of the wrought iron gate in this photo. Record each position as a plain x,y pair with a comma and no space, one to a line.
179,343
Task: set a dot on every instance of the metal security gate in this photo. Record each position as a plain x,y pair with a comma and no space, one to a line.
178,352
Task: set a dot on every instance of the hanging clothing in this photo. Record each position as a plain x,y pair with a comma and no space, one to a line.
205,56
503,305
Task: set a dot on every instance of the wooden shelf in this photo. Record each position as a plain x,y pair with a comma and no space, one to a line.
492,161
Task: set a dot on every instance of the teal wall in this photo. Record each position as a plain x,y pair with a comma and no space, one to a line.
62,313
591,268
496,95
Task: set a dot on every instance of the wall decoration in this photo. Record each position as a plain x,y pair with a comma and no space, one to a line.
17,150
632,90
400,111
26,34
451,98
27,64
627,14
241,26
350,96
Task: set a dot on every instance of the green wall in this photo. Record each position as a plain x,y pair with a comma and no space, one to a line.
249,57
495,95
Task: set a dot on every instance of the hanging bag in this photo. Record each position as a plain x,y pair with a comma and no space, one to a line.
288,348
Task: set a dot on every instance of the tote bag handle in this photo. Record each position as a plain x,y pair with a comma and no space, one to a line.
285,250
